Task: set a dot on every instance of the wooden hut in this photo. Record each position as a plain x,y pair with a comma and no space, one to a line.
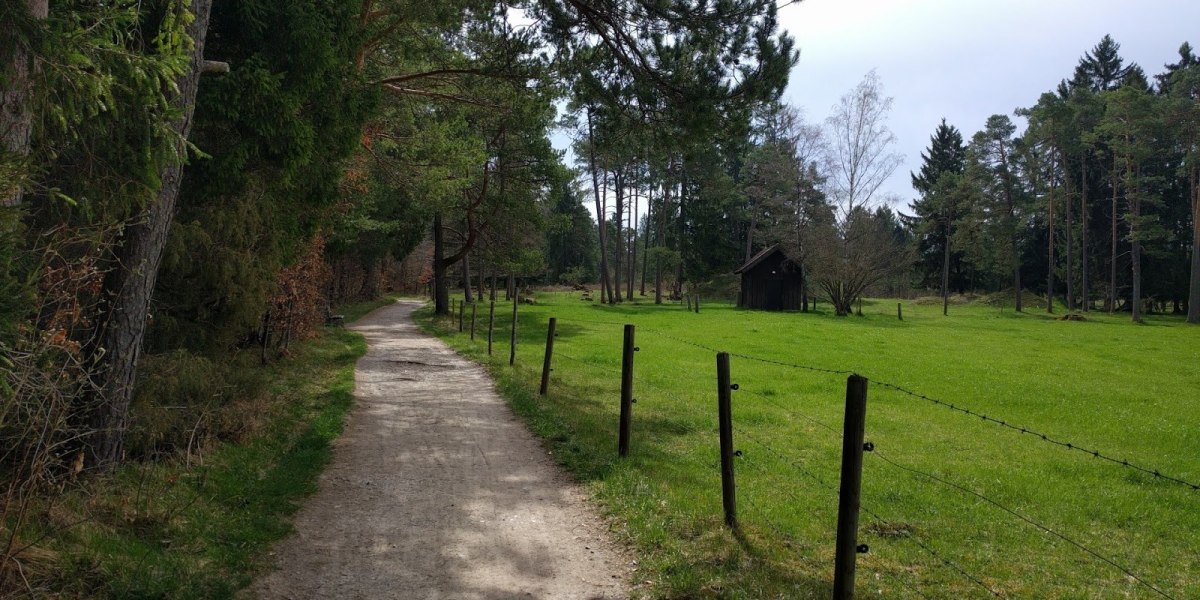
770,281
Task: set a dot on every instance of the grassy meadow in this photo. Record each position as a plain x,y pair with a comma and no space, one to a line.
1129,391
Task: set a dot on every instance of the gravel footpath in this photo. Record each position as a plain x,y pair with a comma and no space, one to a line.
437,490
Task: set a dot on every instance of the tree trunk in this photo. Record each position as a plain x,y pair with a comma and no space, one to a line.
605,285
1085,300
479,288
1013,226
1070,249
618,218
492,293
441,287
648,221
1133,198
945,273
130,284
1112,273
1193,312
679,242
467,278
1050,259
16,110
632,246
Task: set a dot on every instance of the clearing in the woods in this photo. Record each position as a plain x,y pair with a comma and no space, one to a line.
938,488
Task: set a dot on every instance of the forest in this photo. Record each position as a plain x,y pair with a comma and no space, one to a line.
189,188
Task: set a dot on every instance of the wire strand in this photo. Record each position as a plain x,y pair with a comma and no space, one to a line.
1039,435
1024,518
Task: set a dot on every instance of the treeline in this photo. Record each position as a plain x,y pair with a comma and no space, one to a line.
1092,206
189,186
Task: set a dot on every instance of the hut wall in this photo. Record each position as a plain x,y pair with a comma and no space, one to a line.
773,284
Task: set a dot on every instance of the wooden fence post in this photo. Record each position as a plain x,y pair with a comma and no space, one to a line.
474,307
853,430
491,323
626,392
697,303
549,354
725,425
899,312
512,336
462,307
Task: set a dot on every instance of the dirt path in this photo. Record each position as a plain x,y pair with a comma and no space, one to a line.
437,491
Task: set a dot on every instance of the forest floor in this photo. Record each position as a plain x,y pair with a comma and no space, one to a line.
436,490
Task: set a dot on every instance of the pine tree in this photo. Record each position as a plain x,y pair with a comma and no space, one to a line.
1102,69
938,207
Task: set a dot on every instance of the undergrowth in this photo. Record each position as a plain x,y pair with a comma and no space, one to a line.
195,516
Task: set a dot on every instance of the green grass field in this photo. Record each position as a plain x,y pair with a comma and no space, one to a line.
1126,390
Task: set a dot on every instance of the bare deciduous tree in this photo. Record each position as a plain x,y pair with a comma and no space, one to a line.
859,155
857,249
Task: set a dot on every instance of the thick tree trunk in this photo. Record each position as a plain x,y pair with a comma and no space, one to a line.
441,286
129,286
467,277
16,110
1193,312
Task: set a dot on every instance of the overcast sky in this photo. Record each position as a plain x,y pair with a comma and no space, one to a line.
963,59
966,59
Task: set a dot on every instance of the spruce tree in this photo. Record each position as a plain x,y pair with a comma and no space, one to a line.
937,206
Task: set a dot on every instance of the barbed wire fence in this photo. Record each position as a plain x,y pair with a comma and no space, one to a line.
941,481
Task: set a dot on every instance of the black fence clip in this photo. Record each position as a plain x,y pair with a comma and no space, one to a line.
637,348
734,387
737,452
862,548
868,446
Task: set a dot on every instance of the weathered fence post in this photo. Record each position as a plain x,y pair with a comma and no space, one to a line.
626,392
853,430
549,354
725,425
512,336
462,307
899,312
697,303
474,308
689,301
491,323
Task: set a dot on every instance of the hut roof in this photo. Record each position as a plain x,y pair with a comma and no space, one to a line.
761,256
